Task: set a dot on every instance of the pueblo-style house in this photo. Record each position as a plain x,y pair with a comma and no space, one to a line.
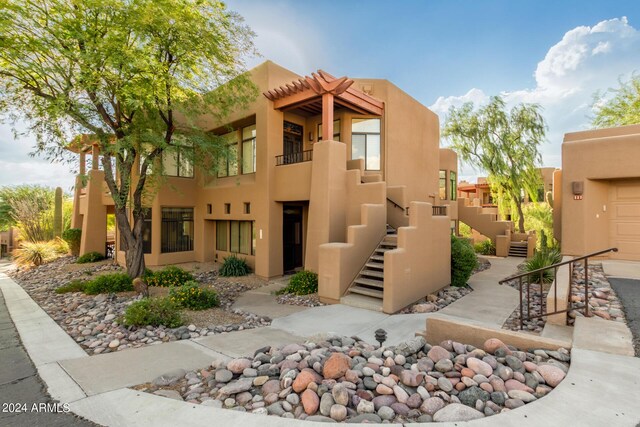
335,175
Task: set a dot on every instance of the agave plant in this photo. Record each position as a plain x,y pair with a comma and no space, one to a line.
35,253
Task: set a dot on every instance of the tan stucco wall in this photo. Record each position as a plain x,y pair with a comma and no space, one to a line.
416,269
597,158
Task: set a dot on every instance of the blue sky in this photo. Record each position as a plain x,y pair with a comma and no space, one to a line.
442,53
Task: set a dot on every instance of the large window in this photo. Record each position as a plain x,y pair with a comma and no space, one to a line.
146,231
442,185
177,230
228,162
249,149
365,142
236,237
453,185
336,131
178,161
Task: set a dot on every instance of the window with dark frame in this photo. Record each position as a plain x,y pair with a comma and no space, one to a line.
222,239
365,142
146,231
453,186
336,130
209,209
228,162
249,149
442,185
236,237
227,208
178,161
177,230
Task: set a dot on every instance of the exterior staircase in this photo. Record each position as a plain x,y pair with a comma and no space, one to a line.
518,249
366,291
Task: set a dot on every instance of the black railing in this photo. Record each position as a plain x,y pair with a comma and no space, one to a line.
299,157
539,278
397,206
440,210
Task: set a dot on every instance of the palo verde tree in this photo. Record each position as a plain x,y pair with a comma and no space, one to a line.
620,106
134,75
502,143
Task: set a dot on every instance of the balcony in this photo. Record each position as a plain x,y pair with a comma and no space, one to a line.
299,157
440,210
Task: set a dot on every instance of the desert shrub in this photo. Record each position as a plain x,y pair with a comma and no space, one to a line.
60,246
464,230
541,259
168,276
72,237
232,266
153,312
302,283
463,261
108,283
192,296
486,247
73,286
34,253
90,257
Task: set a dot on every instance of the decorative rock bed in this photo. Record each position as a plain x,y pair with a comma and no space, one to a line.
300,300
346,379
603,302
92,320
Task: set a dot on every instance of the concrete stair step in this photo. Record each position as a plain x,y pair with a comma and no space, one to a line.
366,291
377,258
362,301
372,273
375,265
382,250
369,282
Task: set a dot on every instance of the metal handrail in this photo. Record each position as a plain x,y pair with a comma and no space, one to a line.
396,205
292,158
555,267
560,264
439,210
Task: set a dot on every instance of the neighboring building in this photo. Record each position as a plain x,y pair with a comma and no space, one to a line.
597,192
289,198
8,241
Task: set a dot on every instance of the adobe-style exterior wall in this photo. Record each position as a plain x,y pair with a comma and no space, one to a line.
328,188
8,241
607,213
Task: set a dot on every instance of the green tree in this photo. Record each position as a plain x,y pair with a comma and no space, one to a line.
620,106
502,143
30,209
132,74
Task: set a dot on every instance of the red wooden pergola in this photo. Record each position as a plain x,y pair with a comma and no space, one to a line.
319,93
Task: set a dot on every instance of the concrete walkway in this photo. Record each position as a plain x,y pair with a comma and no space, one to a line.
95,387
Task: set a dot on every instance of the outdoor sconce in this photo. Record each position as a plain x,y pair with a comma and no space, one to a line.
381,336
310,136
577,187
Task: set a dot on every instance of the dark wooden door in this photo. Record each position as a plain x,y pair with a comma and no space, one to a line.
291,237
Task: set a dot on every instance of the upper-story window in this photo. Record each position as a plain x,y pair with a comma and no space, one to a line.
336,131
241,148
442,185
453,185
365,142
249,149
178,161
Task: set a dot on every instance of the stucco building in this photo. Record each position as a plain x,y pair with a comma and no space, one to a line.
8,241
317,168
597,192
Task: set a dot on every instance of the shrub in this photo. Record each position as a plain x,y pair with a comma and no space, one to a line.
109,283
60,246
463,261
72,237
153,312
90,257
541,259
168,276
34,253
302,283
73,286
233,266
192,296
486,247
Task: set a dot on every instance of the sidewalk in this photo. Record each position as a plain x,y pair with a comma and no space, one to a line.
96,387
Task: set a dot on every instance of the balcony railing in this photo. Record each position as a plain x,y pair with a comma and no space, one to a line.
440,210
299,157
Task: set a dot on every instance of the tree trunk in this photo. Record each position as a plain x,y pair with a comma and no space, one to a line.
520,217
131,243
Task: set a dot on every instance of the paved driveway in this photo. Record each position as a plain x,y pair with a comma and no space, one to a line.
628,291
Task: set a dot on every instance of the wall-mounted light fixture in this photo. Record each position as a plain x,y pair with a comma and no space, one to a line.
310,136
577,187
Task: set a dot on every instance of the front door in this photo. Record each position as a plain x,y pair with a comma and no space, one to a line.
292,141
291,237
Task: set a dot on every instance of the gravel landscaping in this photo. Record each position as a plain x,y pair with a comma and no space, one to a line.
92,320
603,301
346,379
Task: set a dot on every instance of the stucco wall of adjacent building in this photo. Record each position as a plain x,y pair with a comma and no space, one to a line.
601,161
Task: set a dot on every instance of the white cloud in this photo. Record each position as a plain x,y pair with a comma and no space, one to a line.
586,60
